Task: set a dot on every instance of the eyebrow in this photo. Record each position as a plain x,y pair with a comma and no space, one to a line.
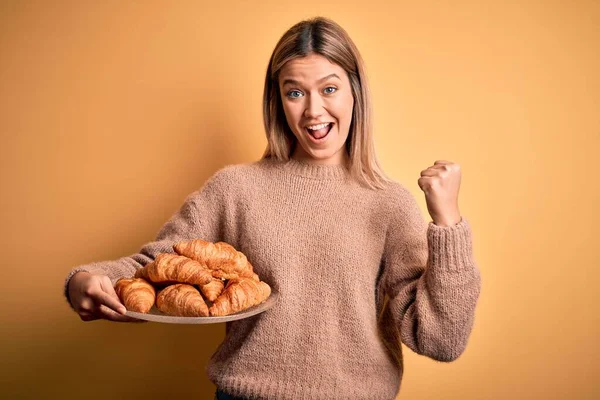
295,82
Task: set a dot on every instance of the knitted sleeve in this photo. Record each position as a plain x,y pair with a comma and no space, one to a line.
200,216
431,281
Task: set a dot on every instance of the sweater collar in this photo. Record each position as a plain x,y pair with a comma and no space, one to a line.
315,171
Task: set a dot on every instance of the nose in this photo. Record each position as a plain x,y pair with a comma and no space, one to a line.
314,107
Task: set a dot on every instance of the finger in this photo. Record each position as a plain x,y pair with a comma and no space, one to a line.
87,316
430,172
424,183
102,298
112,315
108,288
442,162
441,167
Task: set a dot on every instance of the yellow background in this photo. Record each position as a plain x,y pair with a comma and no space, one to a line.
112,112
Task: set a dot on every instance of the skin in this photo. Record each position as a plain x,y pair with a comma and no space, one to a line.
441,183
309,100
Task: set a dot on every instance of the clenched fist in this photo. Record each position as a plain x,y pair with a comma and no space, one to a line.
441,183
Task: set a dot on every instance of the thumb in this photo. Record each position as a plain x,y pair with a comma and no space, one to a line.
107,287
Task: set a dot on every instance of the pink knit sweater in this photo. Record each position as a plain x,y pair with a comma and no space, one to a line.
357,270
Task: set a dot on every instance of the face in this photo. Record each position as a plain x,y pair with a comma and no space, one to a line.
318,102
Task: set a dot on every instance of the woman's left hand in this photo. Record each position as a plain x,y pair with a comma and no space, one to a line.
441,183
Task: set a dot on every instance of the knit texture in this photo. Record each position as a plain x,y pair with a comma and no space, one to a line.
357,271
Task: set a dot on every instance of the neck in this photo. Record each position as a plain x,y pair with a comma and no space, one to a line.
341,158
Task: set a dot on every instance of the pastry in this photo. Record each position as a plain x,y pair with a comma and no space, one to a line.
212,289
169,267
136,294
222,258
238,295
181,300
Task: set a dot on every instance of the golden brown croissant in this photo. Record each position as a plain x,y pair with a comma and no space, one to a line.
142,272
212,289
238,295
169,267
181,300
222,258
136,294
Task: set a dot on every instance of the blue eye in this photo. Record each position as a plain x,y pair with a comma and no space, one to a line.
330,92
290,94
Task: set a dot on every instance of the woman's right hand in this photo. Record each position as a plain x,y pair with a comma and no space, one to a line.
93,297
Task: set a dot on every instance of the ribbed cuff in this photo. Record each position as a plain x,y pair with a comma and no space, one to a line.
450,247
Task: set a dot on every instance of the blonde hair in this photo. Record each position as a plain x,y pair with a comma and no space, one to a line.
323,36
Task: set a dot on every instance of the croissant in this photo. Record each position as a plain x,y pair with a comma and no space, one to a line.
142,272
238,295
169,267
212,289
136,294
181,300
222,258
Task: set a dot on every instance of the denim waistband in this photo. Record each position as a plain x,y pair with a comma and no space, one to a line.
220,395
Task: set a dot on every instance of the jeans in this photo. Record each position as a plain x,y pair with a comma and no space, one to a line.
220,395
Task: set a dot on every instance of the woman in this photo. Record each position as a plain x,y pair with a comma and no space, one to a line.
357,267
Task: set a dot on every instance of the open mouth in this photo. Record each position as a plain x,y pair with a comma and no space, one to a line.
321,132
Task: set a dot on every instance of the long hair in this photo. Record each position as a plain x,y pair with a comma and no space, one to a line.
323,36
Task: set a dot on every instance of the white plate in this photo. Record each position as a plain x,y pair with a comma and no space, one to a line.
155,315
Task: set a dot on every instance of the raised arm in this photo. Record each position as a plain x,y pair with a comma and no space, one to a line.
431,280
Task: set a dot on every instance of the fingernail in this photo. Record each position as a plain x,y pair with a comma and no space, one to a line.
122,310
